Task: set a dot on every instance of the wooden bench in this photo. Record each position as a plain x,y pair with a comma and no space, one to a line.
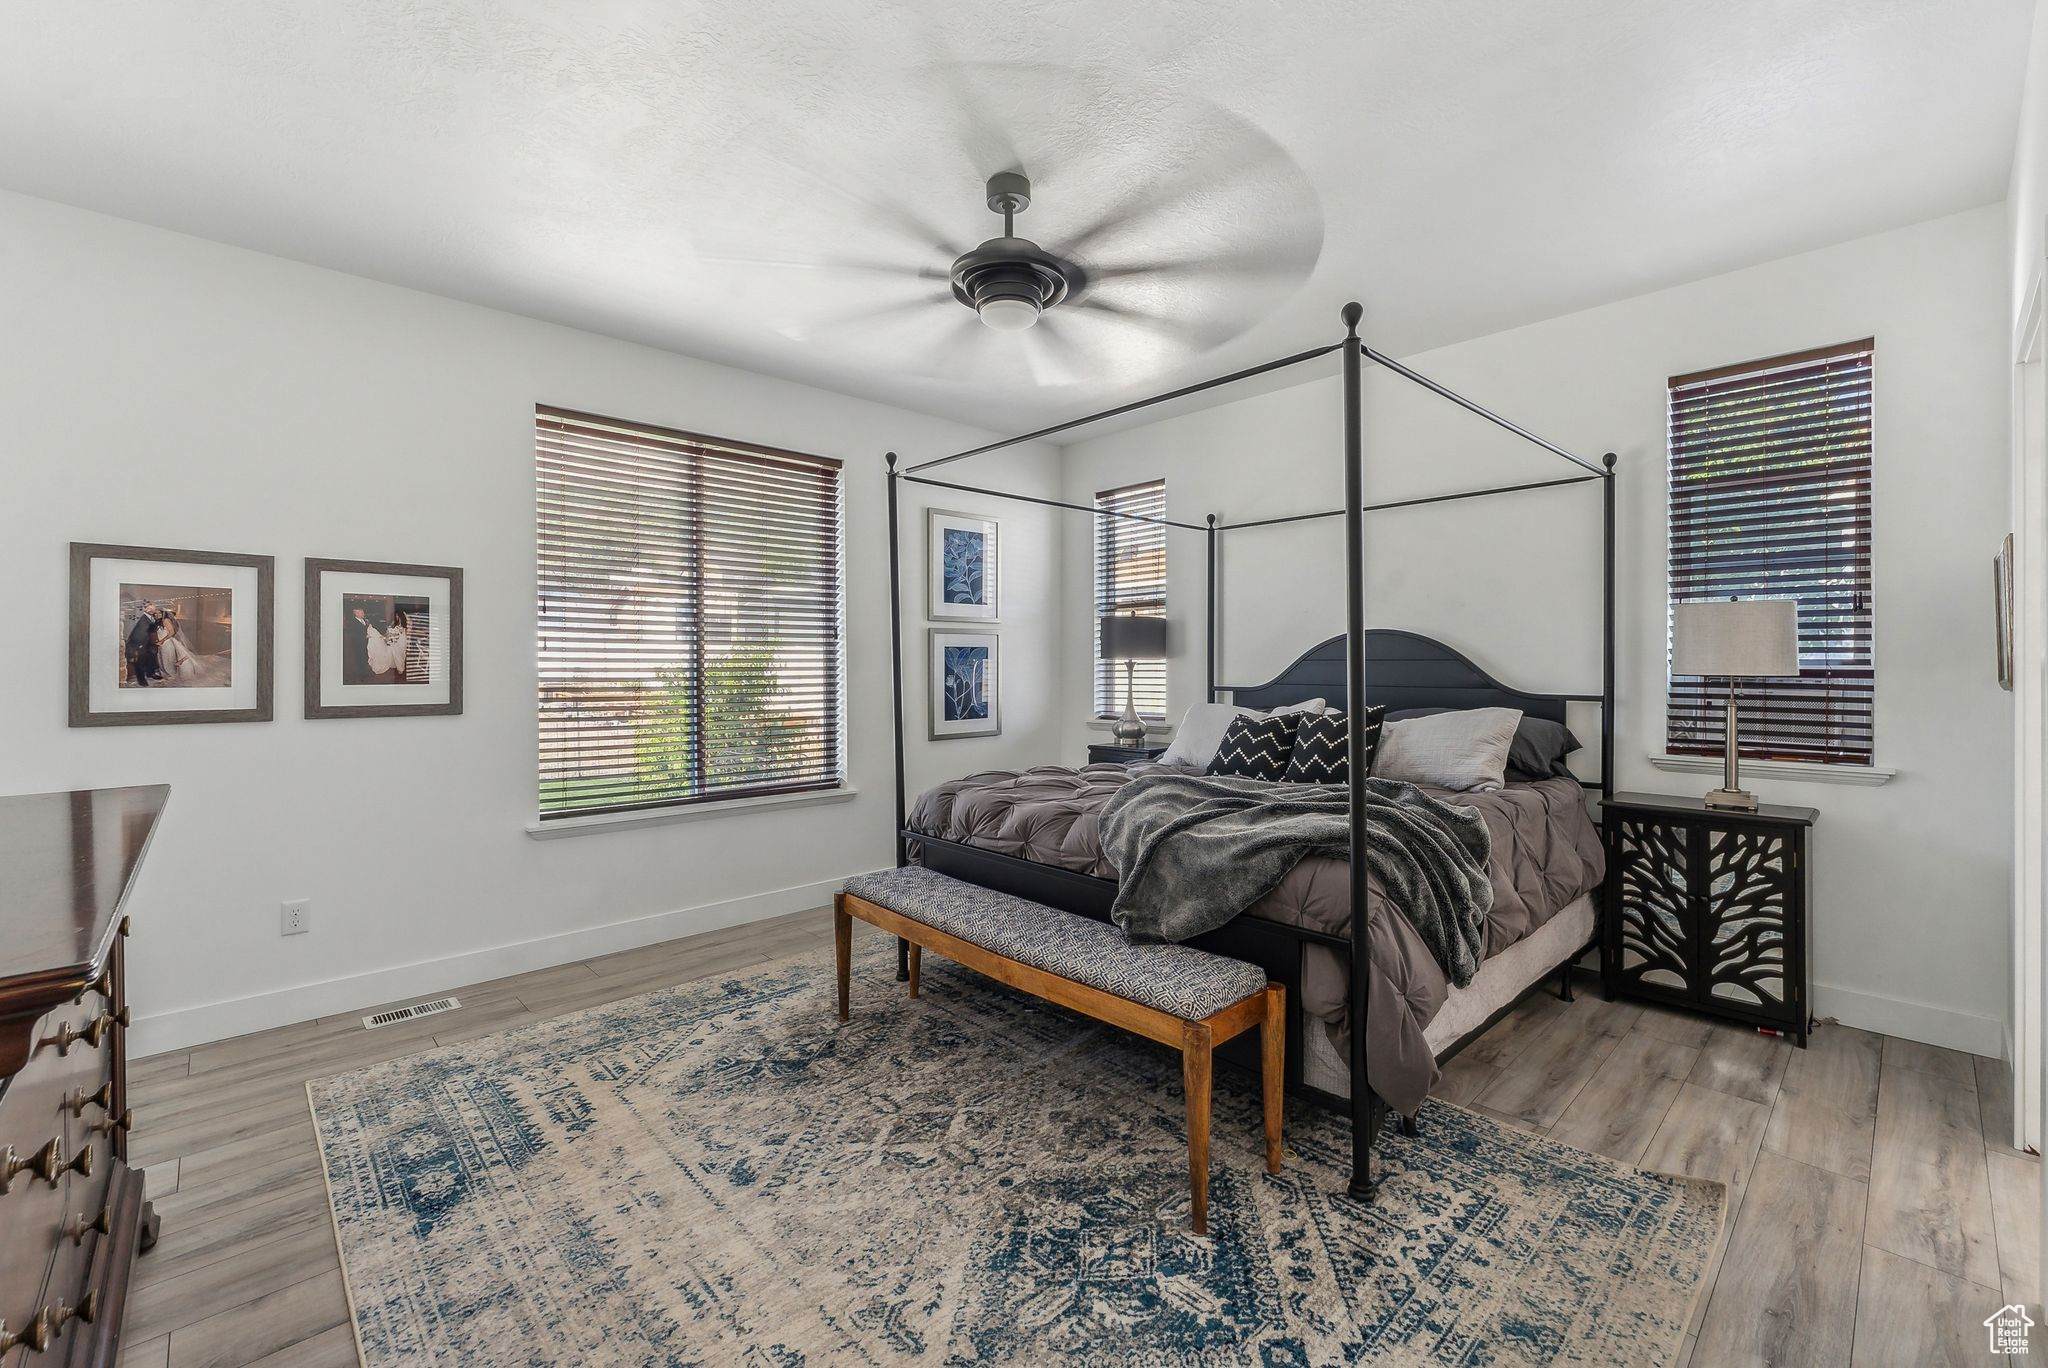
1174,994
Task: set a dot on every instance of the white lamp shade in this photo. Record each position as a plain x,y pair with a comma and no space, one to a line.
1736,639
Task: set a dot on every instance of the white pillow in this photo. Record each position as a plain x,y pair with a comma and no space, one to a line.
1466,750
1202,726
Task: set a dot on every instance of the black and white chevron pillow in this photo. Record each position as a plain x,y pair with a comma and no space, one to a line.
1256,747
1321,753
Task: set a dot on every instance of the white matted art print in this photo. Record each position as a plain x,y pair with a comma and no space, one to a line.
965,697
383,639
962,567
161,636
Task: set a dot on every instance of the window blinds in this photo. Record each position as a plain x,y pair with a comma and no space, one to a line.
1770,498
690,617
1130,577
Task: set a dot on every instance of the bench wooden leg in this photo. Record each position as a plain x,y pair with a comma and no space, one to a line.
1195,1066
842,946
916,966
1273,1073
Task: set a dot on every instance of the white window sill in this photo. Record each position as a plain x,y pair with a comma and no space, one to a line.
558,827
1861,776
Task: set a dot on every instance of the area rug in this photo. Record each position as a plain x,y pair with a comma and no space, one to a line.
721,1173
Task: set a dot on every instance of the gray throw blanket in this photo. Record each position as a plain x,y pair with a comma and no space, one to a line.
1192,851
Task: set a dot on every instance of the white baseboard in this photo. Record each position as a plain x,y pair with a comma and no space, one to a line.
1928,1024
185,1027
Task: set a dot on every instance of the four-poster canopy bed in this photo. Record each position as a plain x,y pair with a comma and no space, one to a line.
1411,671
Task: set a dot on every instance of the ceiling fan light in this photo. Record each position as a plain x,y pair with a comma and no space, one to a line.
1007,313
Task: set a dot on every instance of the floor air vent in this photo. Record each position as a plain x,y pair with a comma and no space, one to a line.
418,1009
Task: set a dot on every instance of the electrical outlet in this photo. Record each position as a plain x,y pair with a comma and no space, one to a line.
296,917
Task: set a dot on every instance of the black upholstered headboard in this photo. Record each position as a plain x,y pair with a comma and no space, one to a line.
1402,670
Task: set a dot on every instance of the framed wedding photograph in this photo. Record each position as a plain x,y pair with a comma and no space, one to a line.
965,676
961,568
383,639
161,636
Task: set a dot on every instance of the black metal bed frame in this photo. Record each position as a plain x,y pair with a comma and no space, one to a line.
1276,945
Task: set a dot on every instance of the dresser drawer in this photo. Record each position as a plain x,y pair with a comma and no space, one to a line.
34,1212
68,1283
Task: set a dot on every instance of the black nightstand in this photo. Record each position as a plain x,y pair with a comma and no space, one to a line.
1112,754
1706,908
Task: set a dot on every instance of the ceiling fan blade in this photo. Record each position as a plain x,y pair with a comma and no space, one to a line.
886,313
893,268
1248,264
1050,353
911,228
980,134
1137,317
1173,191
961,347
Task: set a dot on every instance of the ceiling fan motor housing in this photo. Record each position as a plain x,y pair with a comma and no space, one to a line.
1009,268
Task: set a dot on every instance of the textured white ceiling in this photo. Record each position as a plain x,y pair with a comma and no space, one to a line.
749,181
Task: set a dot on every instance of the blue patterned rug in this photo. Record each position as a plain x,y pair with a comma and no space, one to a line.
720,1173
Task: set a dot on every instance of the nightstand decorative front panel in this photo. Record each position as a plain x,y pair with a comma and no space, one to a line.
1747,909
1706,909
1655,910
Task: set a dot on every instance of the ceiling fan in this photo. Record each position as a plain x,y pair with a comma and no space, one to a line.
1168,265
1010,281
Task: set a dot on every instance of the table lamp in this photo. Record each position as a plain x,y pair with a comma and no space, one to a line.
1131,639
1735,639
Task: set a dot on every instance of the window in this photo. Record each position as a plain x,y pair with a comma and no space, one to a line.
1770,498
690,618
1130,577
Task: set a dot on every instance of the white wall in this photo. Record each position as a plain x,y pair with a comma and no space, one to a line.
1909,922
167,391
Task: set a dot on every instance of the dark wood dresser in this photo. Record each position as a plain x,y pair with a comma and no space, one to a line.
72,1214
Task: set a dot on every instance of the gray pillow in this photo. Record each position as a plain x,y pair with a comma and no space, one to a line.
1464,750
1539,748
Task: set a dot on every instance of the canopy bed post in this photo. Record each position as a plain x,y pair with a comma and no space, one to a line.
896,684
1210,695
1364,1115
1607,629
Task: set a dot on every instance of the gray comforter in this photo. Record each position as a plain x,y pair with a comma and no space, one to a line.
1195,850
1545,853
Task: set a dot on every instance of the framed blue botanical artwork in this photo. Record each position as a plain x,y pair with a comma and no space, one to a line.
965,699
962,568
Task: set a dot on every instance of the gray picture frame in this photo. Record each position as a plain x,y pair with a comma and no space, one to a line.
319,711
938,727
79,692
937,522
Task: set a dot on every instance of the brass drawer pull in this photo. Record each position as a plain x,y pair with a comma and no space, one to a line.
103,985
46,1163
78,1099
10,1164
49,1163
36,1335
123,1123
84,1311
94,1032
81,1228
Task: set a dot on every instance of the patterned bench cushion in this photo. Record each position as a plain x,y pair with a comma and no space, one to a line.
1177,979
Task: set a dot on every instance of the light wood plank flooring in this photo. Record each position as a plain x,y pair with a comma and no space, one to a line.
1878,1210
